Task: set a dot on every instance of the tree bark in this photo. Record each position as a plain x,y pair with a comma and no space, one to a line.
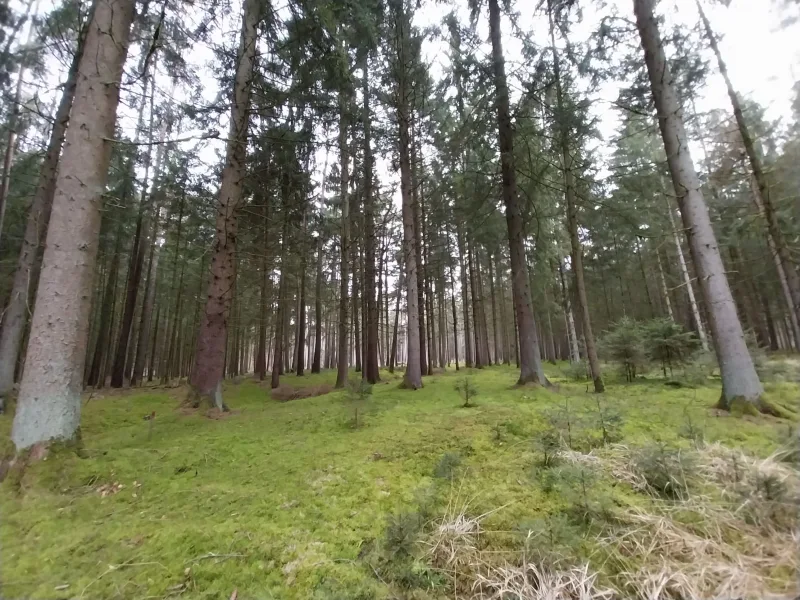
104,328
413,375
14,120
301,321
50,395
495,327
344,294
531,370
468,356
147,305
740,381
280,317
784,269
572,226
316,363
664,289
173,348
393,351
26,276
687,282
580,285
572,336
136,261
260,366
370,320
791,277
209,359
418,252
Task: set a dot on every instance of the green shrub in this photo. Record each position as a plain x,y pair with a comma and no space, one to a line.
467,390
402,534
550,539
358,392
610,422
624,345
700,366
448,465
666,472
577,371
667,343
690,430
549,443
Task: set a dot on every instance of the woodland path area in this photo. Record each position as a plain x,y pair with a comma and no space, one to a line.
291,500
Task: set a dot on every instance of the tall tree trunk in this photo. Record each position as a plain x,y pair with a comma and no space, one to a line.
503,321
301,322
209,359
468,357
531,369
687,281
14,121
393,351
123,354
418,250
572,335
358,309
639,251
280,316
572,226
495,327
580,285
50,395
260,366
664,289
104,329
453,298
740,381
413,375
26,276
480,359
370,320
791,277
784,269
147,305
442,312
154,349
315,364
172,336
344,294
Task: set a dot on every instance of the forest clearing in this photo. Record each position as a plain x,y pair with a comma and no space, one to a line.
292,500
400,299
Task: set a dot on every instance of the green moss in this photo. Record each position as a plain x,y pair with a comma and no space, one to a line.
278,499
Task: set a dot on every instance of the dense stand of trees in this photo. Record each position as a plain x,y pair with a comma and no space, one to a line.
365,210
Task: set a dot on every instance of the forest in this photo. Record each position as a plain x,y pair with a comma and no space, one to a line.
408,299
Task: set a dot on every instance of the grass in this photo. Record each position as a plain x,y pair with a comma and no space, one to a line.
283,499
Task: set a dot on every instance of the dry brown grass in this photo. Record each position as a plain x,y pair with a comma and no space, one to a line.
537,582
718,543
284,393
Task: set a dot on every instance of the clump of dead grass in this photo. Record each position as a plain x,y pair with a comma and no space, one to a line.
531,581
732,535
716,556
284,393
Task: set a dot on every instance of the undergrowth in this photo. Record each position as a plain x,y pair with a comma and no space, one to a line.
299,500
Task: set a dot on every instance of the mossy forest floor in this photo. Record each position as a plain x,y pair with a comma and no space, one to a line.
290,500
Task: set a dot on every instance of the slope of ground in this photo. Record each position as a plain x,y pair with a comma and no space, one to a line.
290,500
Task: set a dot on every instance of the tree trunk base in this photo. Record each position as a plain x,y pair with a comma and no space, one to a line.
195,398
13,464
599,386
533,380
408,385
740,406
